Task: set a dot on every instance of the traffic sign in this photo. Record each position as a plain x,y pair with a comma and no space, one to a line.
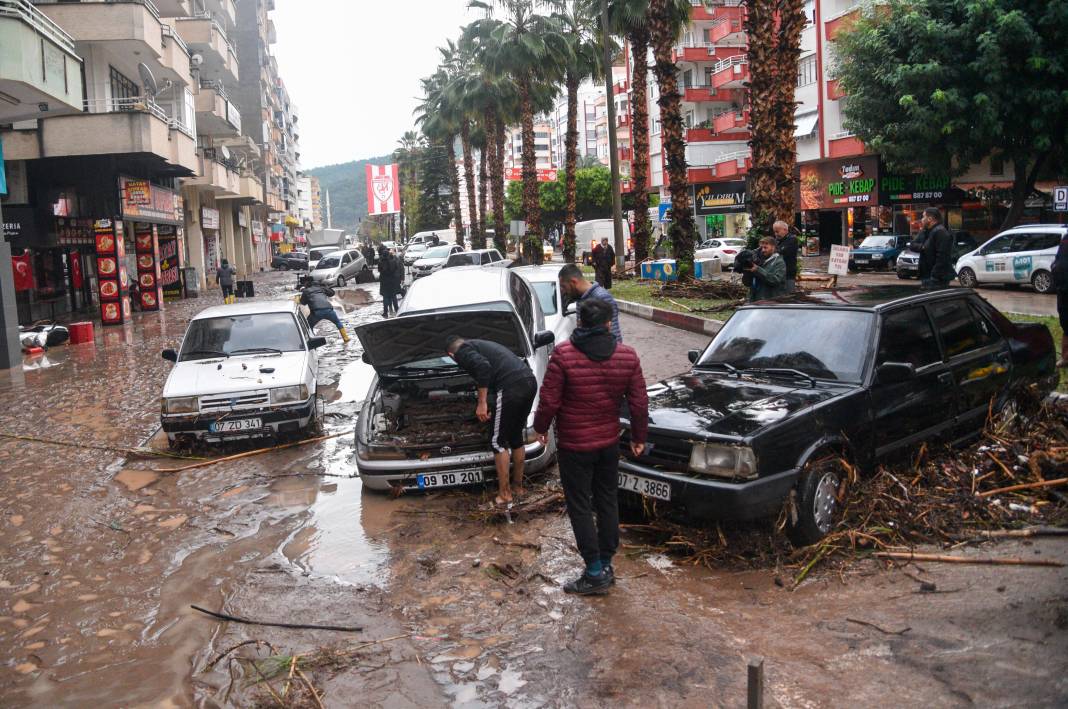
1060,199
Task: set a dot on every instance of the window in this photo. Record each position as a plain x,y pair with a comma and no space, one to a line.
988,333
907,337
1036,242
806,70
810,11
524,305
122,89
1001,245
997,165
959,330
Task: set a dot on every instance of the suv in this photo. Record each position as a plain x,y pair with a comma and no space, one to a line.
295,260
908,262
790,386
1023,254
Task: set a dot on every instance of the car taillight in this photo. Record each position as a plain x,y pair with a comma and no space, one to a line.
729,251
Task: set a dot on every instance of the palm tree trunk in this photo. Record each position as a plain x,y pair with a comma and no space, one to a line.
483,183
454,180
531,207
570,167
469,178
500,233
639,131
662,36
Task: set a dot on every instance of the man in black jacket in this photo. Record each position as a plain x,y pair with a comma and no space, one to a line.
787,247
506,379
1060,282
390,276
935,246
317,298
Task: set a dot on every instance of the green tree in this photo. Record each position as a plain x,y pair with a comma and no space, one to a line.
593,196
437,167
438,118
942,85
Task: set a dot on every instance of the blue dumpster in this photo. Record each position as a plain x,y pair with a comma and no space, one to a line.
662,270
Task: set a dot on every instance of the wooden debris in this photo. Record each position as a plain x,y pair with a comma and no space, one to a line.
295,626
943,558
1025,486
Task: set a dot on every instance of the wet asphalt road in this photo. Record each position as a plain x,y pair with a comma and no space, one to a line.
103,554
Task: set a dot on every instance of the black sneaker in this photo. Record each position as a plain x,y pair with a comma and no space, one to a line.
610,572
587,585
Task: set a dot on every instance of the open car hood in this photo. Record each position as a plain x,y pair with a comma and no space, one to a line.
388,344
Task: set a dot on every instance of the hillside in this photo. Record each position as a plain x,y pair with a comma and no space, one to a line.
347,184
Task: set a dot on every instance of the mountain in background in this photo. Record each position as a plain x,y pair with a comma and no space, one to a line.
347,184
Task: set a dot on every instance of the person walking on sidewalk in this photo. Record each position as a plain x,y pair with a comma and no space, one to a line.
390,275
787,246
604,260
317,298
225,278
1060,282
586,382
576,288
506,380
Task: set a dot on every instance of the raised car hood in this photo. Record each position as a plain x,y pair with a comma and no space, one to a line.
712,404
244,373
388,344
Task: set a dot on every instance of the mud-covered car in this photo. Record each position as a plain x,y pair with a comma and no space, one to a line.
417,428
789,387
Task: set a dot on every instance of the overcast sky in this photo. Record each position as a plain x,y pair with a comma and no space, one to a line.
353,68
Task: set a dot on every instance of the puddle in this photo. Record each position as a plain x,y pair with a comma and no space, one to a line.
135,480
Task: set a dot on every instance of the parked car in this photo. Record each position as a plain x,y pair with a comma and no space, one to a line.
417,428
908,262
434,259
243,371
476,257
1023,254
294,260
413,252
878,251
339,267
545,281
789,386
723,250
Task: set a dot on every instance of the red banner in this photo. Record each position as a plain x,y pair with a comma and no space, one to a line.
23,270
383,189
515,174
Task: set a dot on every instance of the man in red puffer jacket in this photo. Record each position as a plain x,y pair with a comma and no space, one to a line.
584,387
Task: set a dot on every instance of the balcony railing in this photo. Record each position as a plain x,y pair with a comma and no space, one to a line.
170,34
148,4
138,104
23,10
728,63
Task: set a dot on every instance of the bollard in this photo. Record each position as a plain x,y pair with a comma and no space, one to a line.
756,683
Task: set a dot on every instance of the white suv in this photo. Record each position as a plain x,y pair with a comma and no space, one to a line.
1023,254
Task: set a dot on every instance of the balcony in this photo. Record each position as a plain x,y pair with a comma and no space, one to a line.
834,91
714,10
215,177
842,22
731,73
175,58
34,71
844,145
731,122
223,9
727,30
700,135
620,87
724,166
217,116
206,37
623,119
122,127
272,33
699,94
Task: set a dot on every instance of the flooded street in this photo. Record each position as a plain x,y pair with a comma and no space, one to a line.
105,551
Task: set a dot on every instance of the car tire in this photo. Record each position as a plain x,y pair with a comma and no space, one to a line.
902,276
283,267
967,278
1042,281
816,502
340,281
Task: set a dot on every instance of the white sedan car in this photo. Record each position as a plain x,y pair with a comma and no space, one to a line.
434,259
545,281
722,249
1023,254
243,371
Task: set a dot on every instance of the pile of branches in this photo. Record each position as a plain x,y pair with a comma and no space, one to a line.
708,290
1012,483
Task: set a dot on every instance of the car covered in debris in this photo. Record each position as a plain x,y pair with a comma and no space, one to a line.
417,427
791,387
243,371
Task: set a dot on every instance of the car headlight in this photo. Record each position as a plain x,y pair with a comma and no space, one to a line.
181,405
876,257
723,461
289,395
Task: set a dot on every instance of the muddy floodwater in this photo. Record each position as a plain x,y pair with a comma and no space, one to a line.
104,551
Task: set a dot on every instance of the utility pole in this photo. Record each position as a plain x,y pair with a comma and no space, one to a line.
613,152
329,217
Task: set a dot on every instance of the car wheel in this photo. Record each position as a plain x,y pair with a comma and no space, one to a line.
1042,281
340,281
967,278
816,502
902,275
891,265
283,267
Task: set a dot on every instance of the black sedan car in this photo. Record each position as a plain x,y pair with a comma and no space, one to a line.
293,261
789,387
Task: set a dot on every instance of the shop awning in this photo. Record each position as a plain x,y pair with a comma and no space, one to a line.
805,124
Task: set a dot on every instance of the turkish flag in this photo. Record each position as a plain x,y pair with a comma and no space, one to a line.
23,271
75,269
383,189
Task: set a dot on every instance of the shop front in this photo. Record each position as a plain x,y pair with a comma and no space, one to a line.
838,200
721,209
209,225
146,209
902,199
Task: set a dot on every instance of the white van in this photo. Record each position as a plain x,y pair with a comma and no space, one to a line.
445,236
589,233
1022,254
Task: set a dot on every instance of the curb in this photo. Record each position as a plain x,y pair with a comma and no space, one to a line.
682,321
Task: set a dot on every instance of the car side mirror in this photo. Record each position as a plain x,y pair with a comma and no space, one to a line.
894,372
316,342
543,339
571,309
693,356
170,355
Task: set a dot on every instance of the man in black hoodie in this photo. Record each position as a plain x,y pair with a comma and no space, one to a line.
505,379
935,246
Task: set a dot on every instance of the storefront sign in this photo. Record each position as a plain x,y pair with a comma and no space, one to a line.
242,221
836,184
209,218
257,231
1060,199
19,222
142,201
719,197
111,272
74,232
906,189
146,243
211,254
839,262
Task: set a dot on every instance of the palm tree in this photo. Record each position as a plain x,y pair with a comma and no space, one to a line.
527,48
667,19
629,18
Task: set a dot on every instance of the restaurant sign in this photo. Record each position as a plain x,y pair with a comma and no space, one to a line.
719,197
904,189
142,201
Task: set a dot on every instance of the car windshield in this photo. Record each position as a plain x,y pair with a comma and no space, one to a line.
464,260
319,253
241,334
546,292
415,248
877,242
330,262
825,344
438,252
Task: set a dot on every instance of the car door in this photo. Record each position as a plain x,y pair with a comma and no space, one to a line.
313,354
995,262
923,406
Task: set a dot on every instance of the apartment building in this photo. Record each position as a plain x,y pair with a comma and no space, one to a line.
316,192
587,115
544,138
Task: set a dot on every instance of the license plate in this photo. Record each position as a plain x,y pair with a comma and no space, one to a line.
459,477
645,486
235,425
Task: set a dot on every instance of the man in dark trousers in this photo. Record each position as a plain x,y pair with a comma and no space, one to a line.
585,385
506,380
604,260
317,297
787,247
575,287
390,275
935,246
